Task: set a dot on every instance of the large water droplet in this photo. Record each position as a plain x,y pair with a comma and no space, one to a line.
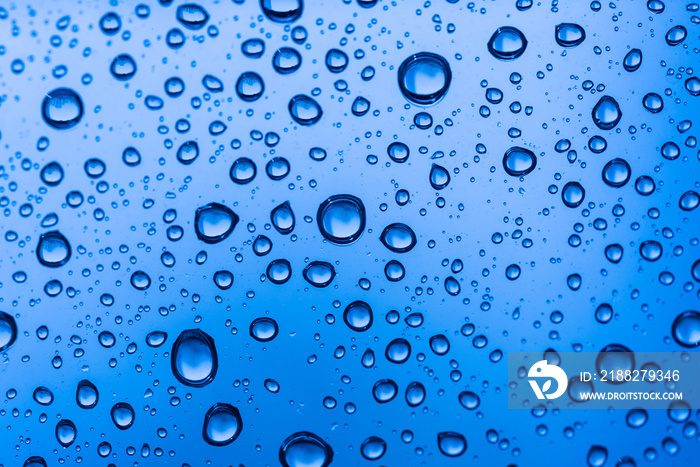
188,152
282,11
452,444
8,331
62,108
398,351
279,271
689,200
243,171
398,237
373,448
597,456
439,177
341,219
192,16
53,249
122,415
250,86
469,400
263,329
606,113
66,433
569,34
424,78
336,60
286,60
507,43
214,222
650,250
123,67
304,449
305,110
222,424
518,161
384,390
617,173
193,358
573,194
34,461
282,218
615,357
415,394
676,35
358,316
52,174
633,60
653,103
686,329
319,273
86,396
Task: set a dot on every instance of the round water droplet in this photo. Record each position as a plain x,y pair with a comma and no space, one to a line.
597,456
66,433
131,157
439,177
424,78
52,174
94,168
263,329
156,338
615,357
123,415
279,271
336,60
644,185
373,448
398,350
633,60
614,253
636,418
415,394
277,168
192,16
286,60
689,200
398,237
140,280
319,273
507,43
110,23
282,11
193,358
304,449
214,222
394,271
469,400
62,108
222,424
250,86
53,249
617,173
573,194
670,151
86,396
653,103
569,34
304,110
223,279
384,390
451,444
358,316
650,250
34,461
188,152
243,171
518,161
606,113
513,272
123,67
686,329
341,219
676,35
360,106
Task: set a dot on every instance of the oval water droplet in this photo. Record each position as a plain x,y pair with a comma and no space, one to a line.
243,171
469,400
86,395
8,331
66,432
341,219
606,113
52,174
518,161
689,200
569,34
123,67
686,329
424,78
282,218
373,448
62,108
398,351
286,60
250,86
415,394
615,357
53,249
573,194
633,60
653,103
122,415
194,361
192,16
222,424
617,173
282,11
507,43
439,177
336,60
676,35
188,152
597,456
156,338
319,273
305,449
279,271
650,250
451,444
305,110
358,316
384,390
214,222
398,237
43,396
263,329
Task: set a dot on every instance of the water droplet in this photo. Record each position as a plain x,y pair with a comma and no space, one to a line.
253,48
193,358
358,316
633,60
398,237
53,249
415,394
86,396
243,171
214,222
272,386
286,60
451,444
282,218
52,174
507,43
439,177
424,78
263,329
653,103
373,448
606,113
615,357
676,35
360,106
279,271
398,351
336,60
140,280
569,34
689,200
110,24
573,194
95,168
250,86
156,338
222,424
123,67
66,433
304,110
188,152
650,250
223,279
597,456
123,415
319,273
513,272
644,185
304,449
282,11
277,168
43,396
469,400
636,418
686,328
518,161
341,219
617,173
394,271
192,16
62,108
384,390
